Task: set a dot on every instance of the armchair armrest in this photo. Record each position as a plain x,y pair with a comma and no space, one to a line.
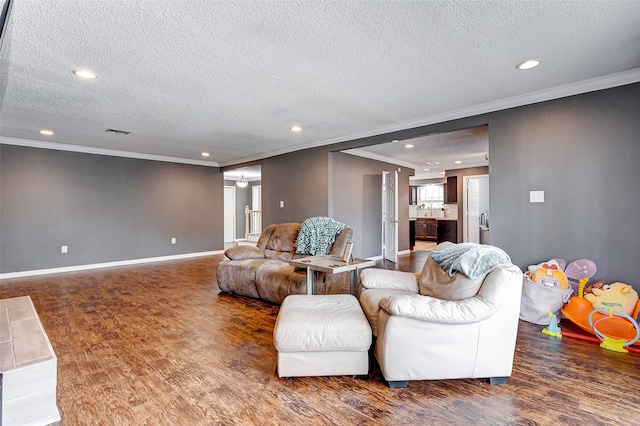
388,279
429,309
244,252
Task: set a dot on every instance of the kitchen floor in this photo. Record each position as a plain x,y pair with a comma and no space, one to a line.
424,245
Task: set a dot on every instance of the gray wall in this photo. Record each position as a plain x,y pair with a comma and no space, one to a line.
356,184
584,152
300,180
104,208
318,182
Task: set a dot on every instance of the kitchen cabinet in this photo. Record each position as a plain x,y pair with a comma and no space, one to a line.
432,229
447,231
412,234
451,190
421,229
426,229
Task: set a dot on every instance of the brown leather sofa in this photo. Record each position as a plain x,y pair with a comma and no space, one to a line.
264,271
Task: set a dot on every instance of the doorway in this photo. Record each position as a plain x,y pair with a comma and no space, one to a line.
242,206
476,209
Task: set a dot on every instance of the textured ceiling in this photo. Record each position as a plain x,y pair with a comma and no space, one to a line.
231,77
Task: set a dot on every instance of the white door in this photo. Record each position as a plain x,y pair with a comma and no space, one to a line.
473,210
256,204
389,216
229,214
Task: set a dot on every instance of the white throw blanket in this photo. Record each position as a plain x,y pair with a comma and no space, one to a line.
471,259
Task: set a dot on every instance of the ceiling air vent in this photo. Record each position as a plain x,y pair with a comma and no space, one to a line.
117,132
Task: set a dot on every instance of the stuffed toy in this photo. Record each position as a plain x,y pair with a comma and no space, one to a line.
550,277
549,264
618,296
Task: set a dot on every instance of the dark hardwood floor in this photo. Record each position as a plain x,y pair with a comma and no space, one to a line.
158,344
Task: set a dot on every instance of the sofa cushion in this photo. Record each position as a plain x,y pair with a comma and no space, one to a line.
281,242
435,282
244,252
239,276
275,280
383,278
432,310
370,302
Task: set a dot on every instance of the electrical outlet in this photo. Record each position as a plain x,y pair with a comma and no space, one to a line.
64,249
173,240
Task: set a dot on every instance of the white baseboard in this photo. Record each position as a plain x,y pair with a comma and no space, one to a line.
75,268
400,253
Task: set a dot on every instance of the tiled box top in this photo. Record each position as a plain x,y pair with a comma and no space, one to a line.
22,337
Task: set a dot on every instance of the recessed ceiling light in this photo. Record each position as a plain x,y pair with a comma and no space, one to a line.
395,141
432,163
46,132
426,170
205,154
528,64
409,145
457,162
83,73
296,128
442,173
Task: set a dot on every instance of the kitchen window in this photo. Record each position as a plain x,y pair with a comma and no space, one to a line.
432,196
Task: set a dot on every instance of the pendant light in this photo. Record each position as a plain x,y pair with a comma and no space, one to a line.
242,182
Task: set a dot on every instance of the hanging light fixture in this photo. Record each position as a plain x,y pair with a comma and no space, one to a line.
242,182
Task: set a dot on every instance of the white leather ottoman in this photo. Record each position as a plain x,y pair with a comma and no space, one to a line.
322,335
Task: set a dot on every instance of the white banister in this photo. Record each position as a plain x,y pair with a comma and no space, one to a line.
253,223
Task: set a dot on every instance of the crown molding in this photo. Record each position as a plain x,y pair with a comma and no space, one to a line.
103,151
571,89
382,158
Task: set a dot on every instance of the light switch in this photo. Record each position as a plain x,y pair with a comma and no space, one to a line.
536,196
281,204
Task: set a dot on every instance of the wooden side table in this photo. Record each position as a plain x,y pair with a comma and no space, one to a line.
332,265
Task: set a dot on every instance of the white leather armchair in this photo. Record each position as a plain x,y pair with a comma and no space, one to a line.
421,337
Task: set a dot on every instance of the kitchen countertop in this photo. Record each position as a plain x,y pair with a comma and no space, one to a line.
431,217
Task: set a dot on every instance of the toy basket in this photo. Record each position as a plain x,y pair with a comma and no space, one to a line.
537,301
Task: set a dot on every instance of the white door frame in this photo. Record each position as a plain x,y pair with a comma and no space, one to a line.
232,190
